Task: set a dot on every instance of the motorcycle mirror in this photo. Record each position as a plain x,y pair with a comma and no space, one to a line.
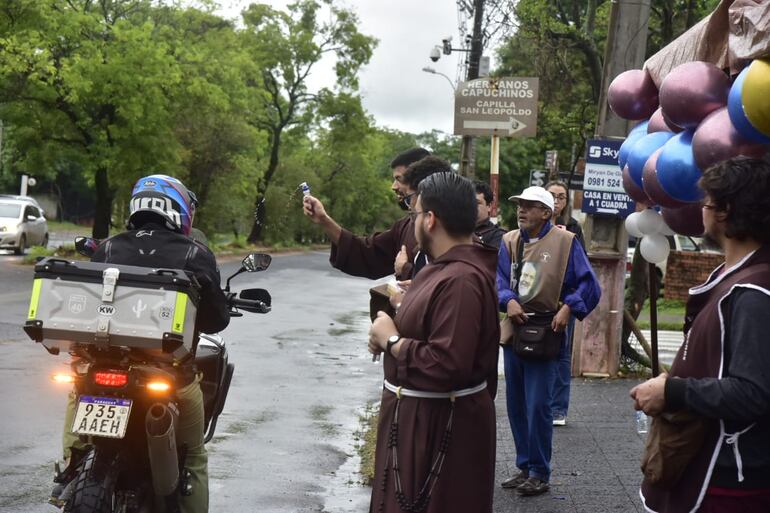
256,262
86,246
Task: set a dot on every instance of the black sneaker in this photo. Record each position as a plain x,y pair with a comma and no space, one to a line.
515,481
533,486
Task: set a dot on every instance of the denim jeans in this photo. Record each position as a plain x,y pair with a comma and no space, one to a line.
563,373
528,387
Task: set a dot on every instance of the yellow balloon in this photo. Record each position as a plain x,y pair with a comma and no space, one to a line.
756,95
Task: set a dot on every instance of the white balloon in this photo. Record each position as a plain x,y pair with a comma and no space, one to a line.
649,222
631,225
665,230
654,248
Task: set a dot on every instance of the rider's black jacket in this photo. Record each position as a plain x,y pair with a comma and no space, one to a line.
156,246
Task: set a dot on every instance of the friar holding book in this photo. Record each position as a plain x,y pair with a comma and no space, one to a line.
436,440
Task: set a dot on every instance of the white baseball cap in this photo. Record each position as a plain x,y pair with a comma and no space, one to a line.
535,193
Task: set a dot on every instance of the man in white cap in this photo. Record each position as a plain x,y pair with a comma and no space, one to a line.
541,274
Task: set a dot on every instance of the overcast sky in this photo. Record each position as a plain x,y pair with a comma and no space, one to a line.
395,90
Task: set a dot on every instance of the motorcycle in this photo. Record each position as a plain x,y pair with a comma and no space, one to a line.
127,412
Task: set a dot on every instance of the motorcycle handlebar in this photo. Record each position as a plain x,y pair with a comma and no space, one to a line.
250,305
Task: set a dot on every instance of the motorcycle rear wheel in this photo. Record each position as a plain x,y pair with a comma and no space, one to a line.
94,485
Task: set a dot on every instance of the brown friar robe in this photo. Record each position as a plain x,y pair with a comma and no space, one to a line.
449,323
373,257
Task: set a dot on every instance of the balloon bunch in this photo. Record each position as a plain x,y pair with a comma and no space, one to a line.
653,229
694,121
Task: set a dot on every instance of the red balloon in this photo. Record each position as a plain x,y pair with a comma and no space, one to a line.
633,95
687,220
634,191
716,139
692,91
652,186
658,123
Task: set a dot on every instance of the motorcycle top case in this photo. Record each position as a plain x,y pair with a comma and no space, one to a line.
111,305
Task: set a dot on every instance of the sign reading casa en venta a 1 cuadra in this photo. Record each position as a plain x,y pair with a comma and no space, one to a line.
505,107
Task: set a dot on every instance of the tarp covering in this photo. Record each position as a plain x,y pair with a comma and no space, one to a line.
730,37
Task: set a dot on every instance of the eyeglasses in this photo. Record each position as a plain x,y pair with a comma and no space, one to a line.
414,213
560,197
529,206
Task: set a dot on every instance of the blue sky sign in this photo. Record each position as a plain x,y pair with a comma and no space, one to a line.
603,181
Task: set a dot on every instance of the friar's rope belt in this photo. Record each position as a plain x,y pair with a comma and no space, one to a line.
407,392
420,502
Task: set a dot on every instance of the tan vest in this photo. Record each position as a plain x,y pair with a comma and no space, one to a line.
544,267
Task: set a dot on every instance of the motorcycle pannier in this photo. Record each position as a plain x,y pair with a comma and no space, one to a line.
112,305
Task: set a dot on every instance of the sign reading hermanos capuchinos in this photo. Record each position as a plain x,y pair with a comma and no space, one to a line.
506,107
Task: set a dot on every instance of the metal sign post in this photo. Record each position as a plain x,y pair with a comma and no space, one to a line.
494,175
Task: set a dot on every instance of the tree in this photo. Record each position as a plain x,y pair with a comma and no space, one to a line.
220,150
85,82
287,46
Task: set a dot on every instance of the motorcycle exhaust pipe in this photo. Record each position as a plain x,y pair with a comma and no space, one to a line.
161,442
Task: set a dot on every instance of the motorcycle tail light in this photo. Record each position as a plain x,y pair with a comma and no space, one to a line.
158,386
111,379
63,378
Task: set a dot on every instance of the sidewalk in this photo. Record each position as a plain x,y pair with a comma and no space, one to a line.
595,463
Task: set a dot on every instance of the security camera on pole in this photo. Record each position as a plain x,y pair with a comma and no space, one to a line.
475,42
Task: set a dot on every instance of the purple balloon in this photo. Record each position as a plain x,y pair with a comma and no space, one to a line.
674,128
716,139
634,191
658,123
687,220
676,169
633,95
692,91
652,187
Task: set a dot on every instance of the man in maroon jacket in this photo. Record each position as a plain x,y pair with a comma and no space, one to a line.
720,374
373,256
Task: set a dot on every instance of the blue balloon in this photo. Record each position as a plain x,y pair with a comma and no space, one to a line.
642,150
738,115
634,135
676,170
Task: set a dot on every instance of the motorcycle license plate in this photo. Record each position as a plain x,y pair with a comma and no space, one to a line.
102,416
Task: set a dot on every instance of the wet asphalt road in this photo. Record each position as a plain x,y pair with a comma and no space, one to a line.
285,442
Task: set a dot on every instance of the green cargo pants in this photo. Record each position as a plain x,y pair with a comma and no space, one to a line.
189,430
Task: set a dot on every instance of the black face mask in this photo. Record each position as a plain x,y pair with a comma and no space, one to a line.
403,205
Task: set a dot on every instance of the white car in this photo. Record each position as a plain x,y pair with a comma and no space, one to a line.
676,243
22,224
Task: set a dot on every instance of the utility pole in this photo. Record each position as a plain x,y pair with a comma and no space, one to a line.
597,351
467,154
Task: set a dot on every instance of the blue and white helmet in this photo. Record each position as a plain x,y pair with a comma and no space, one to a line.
165,196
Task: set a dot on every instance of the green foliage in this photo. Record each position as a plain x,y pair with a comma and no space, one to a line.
367,441
94,95
35,253
670,18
